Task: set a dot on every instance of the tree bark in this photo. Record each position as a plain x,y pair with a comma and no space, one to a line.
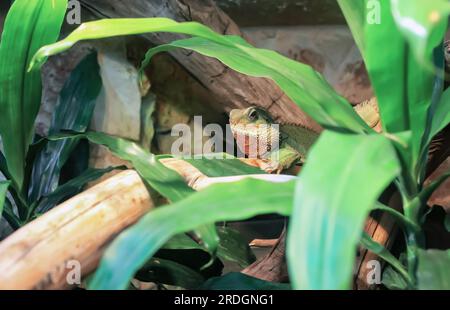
230,88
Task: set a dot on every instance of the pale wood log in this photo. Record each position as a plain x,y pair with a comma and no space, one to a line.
36,256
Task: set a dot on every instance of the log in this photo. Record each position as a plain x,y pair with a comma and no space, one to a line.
230,88
41,254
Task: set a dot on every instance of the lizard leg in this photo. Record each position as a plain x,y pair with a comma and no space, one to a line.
283,159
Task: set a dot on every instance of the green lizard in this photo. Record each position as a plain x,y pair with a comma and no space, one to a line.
293,141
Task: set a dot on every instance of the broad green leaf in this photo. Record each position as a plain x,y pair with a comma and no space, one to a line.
29,25
70,188
240,281
333,197
73,111
403,84
181,242
3,190
169,272
306,87
164,180
208,234
223,167
433,270
232,247
219,202
399,217
423,24
355,15
442,115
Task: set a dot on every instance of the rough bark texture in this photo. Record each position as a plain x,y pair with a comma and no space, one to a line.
232,89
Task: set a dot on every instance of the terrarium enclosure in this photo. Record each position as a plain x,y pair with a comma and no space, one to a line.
224,145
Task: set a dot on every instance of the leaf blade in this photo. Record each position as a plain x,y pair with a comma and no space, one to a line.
326,223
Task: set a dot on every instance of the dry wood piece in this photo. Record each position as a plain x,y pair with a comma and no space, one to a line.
40,255
271,267
232,89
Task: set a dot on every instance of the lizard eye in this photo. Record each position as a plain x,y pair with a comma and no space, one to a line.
252,115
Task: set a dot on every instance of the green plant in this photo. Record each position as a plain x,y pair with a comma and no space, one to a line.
33,166
333,195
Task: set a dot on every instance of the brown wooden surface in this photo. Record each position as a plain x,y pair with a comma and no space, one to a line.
37,255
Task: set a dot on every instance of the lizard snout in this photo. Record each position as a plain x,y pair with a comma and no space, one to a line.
234,115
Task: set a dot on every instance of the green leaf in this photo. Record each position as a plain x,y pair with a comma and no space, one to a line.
442,115
28,26
181,242
393,280
169,272
333,197
403,75
208,234
426,192
148,107
70,188
223,166
73,111
433,270
355,15
423,25
164,180
240,281
3,190
306,87
219,202
232,247
381,251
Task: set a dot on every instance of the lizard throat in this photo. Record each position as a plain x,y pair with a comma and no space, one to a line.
256,140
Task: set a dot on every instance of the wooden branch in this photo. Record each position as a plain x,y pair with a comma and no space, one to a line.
271,267
231,89
39,255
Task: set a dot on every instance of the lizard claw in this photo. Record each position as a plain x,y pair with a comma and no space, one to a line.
271,167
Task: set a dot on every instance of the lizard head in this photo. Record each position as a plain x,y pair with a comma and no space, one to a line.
253,123
252,115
